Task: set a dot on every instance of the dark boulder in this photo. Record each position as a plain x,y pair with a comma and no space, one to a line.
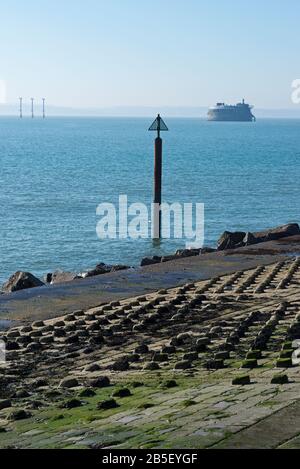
230,240
188,252
171,257
207,250
72,339
69,382
61,277
142,348
102,268
121,364
18,414
92,367
100,382
21,281
71,404
87,392
150,260
183,365
38,324
116,268
12,346
151,366
33,347
282,231
107,404
123,392
5,403
98,270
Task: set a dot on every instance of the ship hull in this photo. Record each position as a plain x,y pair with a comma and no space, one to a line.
229,116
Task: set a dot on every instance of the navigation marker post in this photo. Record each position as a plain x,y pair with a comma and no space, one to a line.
159,126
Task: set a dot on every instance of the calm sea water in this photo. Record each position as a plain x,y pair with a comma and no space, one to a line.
55,172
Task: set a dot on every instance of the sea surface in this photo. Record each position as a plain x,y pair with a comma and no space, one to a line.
54,173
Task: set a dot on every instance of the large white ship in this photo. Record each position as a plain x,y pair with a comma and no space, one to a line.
241,112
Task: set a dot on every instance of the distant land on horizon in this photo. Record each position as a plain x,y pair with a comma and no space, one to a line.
137,111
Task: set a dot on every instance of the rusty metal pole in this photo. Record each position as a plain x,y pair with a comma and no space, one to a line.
157,187
159,126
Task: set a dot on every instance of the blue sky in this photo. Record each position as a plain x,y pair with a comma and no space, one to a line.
99,53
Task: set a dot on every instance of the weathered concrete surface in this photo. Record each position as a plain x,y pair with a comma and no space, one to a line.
51,301
165,406
271,432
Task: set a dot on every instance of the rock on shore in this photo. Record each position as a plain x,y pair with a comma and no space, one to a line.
60,277
237,239
179,254
282,231
229,240
100,269
21,281
104,269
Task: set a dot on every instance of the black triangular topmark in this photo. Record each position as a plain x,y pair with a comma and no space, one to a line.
158,124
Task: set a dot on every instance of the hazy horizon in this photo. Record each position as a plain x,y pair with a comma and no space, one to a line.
10,110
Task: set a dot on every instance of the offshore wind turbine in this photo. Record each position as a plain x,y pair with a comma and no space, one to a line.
21,107
32,113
